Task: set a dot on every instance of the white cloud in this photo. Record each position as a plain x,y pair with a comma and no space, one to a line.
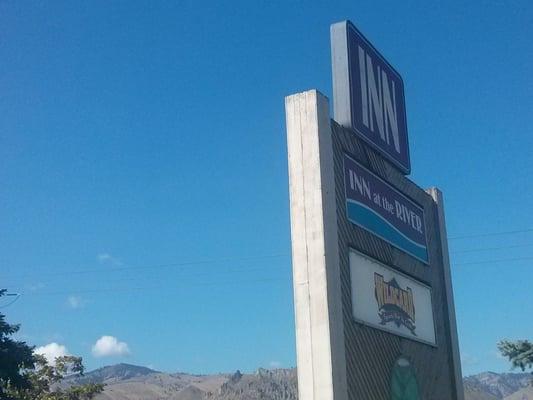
106,258
33,287
75,302
51,351
274,364
108,346
103,257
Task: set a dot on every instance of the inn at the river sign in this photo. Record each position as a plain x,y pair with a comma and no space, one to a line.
368,95
377,207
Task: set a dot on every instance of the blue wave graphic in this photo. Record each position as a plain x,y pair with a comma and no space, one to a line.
368,219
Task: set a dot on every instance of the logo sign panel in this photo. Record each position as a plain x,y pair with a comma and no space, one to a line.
386,299
377,207
368,95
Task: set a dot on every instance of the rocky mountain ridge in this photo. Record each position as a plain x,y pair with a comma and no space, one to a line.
131,382
500,386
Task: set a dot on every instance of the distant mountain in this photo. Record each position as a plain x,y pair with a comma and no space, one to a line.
499,386
131,382
113,373
277,384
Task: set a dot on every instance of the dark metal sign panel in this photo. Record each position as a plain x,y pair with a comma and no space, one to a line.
382,210
368,95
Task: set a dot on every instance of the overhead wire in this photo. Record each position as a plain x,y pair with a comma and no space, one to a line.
224,283
491,248
16,297
490,234
494,261
264,256
145,288
186,274
157,266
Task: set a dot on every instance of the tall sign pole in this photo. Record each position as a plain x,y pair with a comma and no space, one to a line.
373,298
320,349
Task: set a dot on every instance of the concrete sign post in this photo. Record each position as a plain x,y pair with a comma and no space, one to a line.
372,282
315,253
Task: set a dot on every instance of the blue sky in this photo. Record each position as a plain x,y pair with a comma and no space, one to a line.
144,177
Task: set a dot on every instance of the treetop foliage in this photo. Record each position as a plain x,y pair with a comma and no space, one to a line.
25,375
520,353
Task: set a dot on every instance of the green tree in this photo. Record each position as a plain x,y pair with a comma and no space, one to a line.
16,358
45,379
28,376
520,353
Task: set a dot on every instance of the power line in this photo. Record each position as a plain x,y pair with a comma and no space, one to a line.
145,288
218,282
491,248
491,234
16,297
157,266
186,274
265,256
494,261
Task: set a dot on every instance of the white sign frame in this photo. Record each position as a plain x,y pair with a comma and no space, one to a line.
361,266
